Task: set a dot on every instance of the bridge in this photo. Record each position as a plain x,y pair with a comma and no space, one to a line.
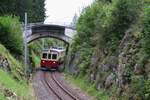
36,31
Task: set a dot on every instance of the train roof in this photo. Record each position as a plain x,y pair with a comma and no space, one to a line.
57,49
45,50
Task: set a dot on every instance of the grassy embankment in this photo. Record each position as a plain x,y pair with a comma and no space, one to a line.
36,59
87,87
13,82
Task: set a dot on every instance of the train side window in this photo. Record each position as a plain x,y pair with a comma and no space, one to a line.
49,56
44,55
54,56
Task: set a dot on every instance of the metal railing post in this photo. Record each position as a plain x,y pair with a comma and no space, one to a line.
25,44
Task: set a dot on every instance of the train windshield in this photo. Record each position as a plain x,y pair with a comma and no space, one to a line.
44,55
49,56
54,56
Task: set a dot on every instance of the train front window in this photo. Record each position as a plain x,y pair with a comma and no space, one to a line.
49,56
44,55
54,56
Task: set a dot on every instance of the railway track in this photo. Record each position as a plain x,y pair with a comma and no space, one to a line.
41,89
63,88
57,88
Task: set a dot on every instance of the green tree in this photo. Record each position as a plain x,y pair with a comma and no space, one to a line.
146,31
34,8
11,34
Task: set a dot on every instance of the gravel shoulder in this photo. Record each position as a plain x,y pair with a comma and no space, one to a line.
84,95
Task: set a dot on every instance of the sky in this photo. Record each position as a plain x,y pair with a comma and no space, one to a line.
63,11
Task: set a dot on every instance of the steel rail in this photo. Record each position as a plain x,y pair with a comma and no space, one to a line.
51,87
65,90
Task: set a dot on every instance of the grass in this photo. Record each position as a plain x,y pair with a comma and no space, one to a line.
87,87
16,66
2,97
36,59
21,89
14,81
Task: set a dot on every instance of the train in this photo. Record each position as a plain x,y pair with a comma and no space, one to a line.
53,58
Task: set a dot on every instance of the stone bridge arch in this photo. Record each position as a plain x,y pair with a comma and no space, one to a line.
34,32
37,31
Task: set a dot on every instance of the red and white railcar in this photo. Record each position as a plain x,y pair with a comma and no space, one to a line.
53,58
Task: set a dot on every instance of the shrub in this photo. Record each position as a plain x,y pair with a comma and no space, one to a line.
11,34
146,31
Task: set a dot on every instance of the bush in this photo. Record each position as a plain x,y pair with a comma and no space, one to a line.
104,23
11,34
123,16
147,89
146,31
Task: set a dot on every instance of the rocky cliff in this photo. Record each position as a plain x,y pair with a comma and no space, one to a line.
112,48
120,73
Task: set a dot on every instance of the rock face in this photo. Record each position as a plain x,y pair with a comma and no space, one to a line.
109,80
119,69
4,64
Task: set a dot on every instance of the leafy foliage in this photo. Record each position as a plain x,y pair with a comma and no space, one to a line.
147,89
102,27
34,8
103,24
11,34
115,19
146,31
